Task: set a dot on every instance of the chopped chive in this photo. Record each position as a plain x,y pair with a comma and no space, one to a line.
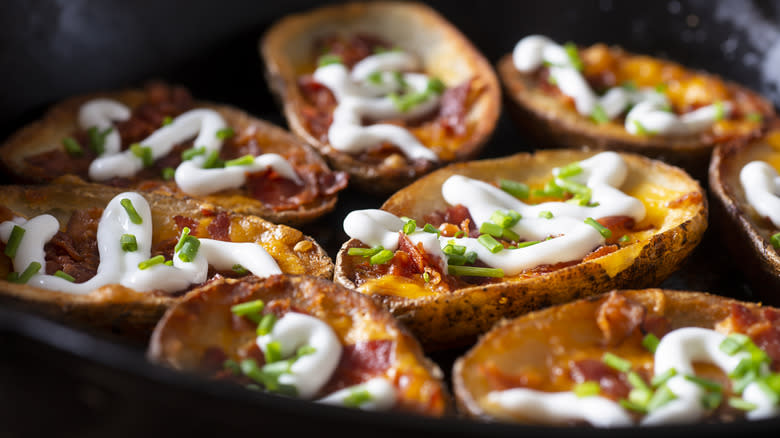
381,257
456,259
471,257
168,173
546,214
629,85
574,56
185,232
707,384
375,77
97,139
305,350
616,362
273,352
711,400
769,392
128,242
631,406
475,271
570,170
551,80
720,110
329,59
599,115
364,252
72,147
213,161
624,238
491,229
27,274
459,234
775,239
650,342
660,88
142,152
167,120
156,260
232,366
192,153
514,188
510,235
250,369
246,160
505,220
586,389
640,396
435,85
189,249
240,270
550,189
430,229
17,233
490,243
131,212
64,276
426,277
248,307
730,346
662,396
637,381
741,404
357,397
640,129
399,79
528,243
452,248
410,226
168,263
266,324
576,188
604,231
407,101
225,133
662,378
755,117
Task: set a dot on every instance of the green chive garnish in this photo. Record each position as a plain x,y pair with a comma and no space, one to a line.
232,366
167,120
64,275
707,384
528,243
629,86
505,220
471,257
185,232
755,117
640,129
128,242
775,239
430,229
720,110
475,271
711,400
273,352
72,147
407,101
616,362
364,252
329,59
491,229
662,396
426,277
490,243
97,139
130,209
624,239
640,396
213,161
246,160
168,173
770,392
266,324
576,188
375,77
168,263
662,378
410,226
304,351
189,249
249,309
156,260
381,257
357,397
632,406
574,56
192,153
586,389
599,115
604,231
17,233
452,248
660,88
546,214
650,342
27,274
570,170
514,188
142,152
741,404
240,270
510,235
637,381
435,85
225,133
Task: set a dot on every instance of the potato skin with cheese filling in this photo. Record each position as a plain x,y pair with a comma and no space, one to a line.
676,208
518,352
288,52
746,234
548,119
203,322
118,309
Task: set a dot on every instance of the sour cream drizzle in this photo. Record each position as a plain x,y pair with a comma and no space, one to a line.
121,267
382,395
650,109
679,349
602,173
761,184
190,176
360,98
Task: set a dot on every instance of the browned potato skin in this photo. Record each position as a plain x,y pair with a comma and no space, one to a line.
746,238
123,311
445,52
61,121
681,308
203,319
454,319
549,122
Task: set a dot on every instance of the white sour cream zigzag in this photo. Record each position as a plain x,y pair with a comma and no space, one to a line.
761,184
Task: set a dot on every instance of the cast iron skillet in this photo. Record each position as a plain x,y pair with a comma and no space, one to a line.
57,379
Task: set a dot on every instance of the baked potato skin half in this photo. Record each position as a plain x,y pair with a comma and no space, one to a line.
287,50
746,235
117,309
456,318
548,121
60,121
522,341
203,320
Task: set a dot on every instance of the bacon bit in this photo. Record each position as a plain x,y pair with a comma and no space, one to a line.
618,317
685,200
252,351
612,382
207,212
759,324
75,251
351,49
498,380
332,182
219,228
416,252
360,362
657,325
184,221
600,252
276,191
448,230
452,112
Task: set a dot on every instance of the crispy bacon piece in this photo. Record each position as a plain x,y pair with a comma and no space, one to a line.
74,251
360,362
351,49
618,317
452,111
219,228
761,325
184,221
613,383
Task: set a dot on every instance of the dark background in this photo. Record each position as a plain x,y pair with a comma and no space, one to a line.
55,379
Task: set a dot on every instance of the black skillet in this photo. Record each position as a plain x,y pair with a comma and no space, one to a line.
64,381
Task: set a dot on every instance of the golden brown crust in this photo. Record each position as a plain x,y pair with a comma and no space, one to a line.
680,308
445,52
119,309
746,236
203,320
550,123
61,121
448,319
